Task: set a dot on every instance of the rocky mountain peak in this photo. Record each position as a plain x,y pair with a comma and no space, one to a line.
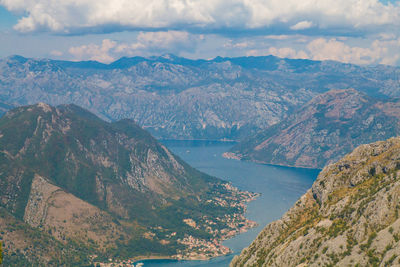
349,216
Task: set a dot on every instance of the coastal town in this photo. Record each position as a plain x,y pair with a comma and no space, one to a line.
204,249
236,223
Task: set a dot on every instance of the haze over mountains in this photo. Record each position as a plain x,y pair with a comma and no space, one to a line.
178,98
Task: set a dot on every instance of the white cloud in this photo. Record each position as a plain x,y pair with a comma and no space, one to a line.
242,44
146,44
278,37
74,16
302,25
379,51
287,52
101,53
56,53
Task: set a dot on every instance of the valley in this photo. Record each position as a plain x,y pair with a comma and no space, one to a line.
108,190
179,98
102,185
280,187
189,133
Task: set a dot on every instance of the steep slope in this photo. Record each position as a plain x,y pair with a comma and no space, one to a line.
350,216
109,187
325,129
24,245
178,98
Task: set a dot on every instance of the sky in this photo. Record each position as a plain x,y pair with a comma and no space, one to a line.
353,31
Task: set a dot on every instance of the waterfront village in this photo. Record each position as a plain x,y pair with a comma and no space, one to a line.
202,249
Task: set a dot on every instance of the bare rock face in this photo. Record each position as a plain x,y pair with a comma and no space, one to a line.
24,245
348,217
66,216
38,203
323,131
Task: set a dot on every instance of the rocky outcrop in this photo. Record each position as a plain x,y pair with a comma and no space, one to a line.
350,216
324,130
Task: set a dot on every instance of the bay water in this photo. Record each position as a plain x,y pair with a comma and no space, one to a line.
280,187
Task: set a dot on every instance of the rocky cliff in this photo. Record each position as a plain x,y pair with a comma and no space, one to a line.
106,189
324,130
350,216
178,98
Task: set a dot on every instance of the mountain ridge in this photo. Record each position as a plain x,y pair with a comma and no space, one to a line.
178,98
325,129
348,217
109,189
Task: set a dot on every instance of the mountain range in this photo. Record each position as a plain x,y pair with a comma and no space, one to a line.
75,189
82,185
178,98
350,216
323,130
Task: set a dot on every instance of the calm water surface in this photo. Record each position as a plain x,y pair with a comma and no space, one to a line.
280,187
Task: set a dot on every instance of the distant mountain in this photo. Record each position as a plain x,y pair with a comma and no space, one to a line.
322,131
178,98
77,182
350,216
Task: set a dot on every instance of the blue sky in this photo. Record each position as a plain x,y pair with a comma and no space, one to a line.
7,19
355,31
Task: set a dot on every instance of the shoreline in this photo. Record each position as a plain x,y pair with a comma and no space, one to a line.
223,250
231,155
211,140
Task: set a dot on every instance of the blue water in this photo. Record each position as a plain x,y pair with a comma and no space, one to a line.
280,187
